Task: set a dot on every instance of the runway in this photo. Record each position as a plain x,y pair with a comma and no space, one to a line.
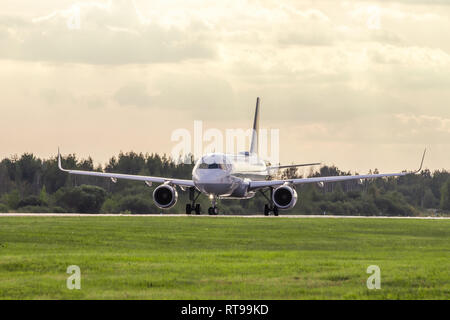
208,216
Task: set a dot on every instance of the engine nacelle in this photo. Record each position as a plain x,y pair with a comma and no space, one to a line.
284,197
165,196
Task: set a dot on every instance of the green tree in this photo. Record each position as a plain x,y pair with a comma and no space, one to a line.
3,208
136,204
29,167
31,201
31,176
43,196
290,173
11,199
83,199
373,190
445,196
338,194
429,200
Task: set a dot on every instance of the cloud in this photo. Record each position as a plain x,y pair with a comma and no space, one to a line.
55,99
134,94
424,2
323,75
122,32
439,124
194,93
101,33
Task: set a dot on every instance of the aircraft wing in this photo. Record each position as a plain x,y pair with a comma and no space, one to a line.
115,176
275,183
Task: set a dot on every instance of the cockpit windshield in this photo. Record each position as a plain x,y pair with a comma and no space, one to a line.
213,162
204,165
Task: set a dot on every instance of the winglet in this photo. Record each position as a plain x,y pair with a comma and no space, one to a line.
59,161
421,163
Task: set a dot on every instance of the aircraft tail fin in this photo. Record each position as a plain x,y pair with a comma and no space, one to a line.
254,141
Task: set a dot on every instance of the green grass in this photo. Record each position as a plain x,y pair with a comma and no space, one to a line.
223,258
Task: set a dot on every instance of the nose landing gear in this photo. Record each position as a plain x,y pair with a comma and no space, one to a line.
213,210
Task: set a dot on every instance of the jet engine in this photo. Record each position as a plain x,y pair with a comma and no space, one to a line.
284,197
165,196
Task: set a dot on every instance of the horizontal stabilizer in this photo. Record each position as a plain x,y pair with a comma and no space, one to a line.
293,166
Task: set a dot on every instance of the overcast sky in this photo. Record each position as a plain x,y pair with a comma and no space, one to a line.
357,84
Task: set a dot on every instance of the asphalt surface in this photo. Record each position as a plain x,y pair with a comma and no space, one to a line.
205,215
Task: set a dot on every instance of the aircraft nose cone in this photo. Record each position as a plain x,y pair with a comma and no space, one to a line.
213,181
216,188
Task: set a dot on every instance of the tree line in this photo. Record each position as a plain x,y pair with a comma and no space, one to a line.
31,184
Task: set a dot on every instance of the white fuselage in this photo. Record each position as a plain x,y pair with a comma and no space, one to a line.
228,175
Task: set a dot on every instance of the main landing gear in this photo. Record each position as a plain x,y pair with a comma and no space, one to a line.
270,206
193,206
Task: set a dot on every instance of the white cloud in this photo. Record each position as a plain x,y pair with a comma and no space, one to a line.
134,94
436,123
323,75
373,15
103,33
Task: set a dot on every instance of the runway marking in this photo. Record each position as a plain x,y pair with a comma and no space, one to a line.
204,216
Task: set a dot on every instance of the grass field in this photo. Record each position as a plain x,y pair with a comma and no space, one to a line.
223,258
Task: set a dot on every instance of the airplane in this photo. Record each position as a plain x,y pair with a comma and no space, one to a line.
232,176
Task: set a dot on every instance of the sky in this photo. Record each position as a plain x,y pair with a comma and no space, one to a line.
356,84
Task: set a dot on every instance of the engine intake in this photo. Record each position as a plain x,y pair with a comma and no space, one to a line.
284,197
165,196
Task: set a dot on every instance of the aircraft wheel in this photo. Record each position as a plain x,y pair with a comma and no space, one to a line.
197,208
266,210
188,208
213,211
275,211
